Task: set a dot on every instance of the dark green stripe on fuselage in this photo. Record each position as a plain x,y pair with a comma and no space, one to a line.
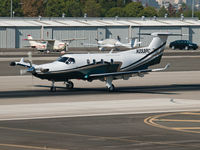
82,73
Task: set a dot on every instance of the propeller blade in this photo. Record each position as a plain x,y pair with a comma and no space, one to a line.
23,71
30,58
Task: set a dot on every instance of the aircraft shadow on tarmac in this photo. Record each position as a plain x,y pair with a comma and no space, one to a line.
61,91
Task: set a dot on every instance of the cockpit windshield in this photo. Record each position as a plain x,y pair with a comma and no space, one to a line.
67,60
62,59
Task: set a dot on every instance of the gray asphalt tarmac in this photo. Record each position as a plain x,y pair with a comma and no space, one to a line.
119,132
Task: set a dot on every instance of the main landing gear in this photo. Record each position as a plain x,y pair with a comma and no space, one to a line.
69,85
110,86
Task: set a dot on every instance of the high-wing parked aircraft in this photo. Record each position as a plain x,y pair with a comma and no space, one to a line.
50,45
102,66
116,44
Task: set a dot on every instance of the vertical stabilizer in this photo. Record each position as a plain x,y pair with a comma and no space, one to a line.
30,40
159,40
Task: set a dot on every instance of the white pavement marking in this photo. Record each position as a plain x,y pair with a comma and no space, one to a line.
95,108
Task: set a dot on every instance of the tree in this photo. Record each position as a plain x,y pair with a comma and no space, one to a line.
187,13
162,11
120,3
116,11
72,9
148,12
133,9
92,8
33,8
54,8
5,8
197,14
171,10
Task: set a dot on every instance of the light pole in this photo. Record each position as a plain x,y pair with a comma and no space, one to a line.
11,12
192,8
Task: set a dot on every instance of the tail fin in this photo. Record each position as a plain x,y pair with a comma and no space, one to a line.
29,37
135,42
159,39
30,40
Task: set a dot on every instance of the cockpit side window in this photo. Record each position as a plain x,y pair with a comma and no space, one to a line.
70,61
67,60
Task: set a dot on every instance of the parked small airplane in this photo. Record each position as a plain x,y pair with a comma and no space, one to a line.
101,66
50,45
115,44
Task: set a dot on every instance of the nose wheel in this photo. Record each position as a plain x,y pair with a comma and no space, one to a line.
53,88
70,85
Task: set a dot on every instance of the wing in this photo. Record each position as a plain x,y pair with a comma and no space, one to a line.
127,72
70,40
39,40
86,44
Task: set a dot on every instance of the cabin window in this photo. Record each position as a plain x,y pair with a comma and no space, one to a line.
111,61
88,61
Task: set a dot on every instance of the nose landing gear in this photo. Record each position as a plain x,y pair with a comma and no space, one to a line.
110,86
53,88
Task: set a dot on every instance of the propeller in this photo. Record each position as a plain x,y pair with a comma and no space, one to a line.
31,69
23,71
30,58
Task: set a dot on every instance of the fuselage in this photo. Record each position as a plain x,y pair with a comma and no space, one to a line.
104,67
68,66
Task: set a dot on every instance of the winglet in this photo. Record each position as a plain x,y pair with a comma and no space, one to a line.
161,69
167,66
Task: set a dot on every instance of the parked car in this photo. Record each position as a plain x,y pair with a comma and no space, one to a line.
183,44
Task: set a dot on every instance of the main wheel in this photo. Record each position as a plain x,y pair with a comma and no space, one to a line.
70,85
173,47
111,88
53,89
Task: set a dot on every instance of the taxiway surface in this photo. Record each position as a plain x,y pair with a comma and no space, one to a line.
88,117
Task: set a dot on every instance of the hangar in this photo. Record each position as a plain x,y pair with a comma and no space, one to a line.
14,30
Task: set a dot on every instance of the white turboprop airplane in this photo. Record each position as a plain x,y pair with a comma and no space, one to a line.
116,44
50,45
102,66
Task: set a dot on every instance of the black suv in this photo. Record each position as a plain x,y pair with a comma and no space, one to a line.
183,44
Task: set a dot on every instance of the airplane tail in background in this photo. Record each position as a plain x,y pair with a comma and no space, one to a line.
29,37
30,40
134,42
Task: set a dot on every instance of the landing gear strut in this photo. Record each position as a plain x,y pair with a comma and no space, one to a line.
53,88
70,85
110,86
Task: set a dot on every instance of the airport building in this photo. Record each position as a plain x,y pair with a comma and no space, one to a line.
14,31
